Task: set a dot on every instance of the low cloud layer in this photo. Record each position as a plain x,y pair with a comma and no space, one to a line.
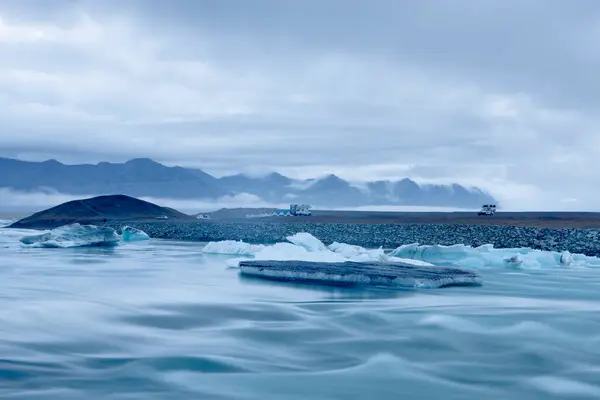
500,94
28,202
16,203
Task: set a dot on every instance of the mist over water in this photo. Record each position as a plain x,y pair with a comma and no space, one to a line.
162,320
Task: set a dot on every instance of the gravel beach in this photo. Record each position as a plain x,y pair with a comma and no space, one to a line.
387,235
577,232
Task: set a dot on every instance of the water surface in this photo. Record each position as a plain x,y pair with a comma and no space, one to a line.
161,320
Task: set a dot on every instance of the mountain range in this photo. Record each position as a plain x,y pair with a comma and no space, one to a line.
144,177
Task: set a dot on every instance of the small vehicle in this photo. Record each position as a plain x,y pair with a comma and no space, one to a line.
487,209
300,210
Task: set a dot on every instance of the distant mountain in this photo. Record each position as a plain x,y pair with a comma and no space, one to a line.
137,177
332,188
273,187
143,177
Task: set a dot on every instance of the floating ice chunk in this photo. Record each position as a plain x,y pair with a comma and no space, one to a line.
358,273
308,241
433,253
304,247
352,251
488,256
74,235
419,263
347,250
288,251
358,253
514,261
130,234
566,258
232,247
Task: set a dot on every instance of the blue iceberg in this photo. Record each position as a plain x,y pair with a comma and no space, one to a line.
74,235
130,234
391,274
487,255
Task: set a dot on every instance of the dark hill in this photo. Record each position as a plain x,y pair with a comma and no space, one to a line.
96,210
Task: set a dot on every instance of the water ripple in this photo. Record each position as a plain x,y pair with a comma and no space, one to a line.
159,320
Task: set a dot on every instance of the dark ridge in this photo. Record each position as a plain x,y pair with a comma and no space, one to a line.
98,210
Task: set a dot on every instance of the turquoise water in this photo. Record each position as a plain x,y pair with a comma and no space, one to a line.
162,320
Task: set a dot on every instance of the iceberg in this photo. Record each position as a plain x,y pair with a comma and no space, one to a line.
130,234
515,260
289,251
73,235
353,251
308,241
301,246
358,253
305,247
232,247
566,258
488,256
360,273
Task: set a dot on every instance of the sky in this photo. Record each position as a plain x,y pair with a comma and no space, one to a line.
501,94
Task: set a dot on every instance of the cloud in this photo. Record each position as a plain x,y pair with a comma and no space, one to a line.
501,94
242,200
16,203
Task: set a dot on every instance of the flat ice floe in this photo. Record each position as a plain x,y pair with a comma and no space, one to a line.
397,274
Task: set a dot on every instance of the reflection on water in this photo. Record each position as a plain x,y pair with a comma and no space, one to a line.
160,320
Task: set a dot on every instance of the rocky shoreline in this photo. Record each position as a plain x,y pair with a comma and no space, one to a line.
575,240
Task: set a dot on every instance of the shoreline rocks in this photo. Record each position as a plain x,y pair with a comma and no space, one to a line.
574,240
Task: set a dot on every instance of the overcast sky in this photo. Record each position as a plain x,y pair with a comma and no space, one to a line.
499,94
